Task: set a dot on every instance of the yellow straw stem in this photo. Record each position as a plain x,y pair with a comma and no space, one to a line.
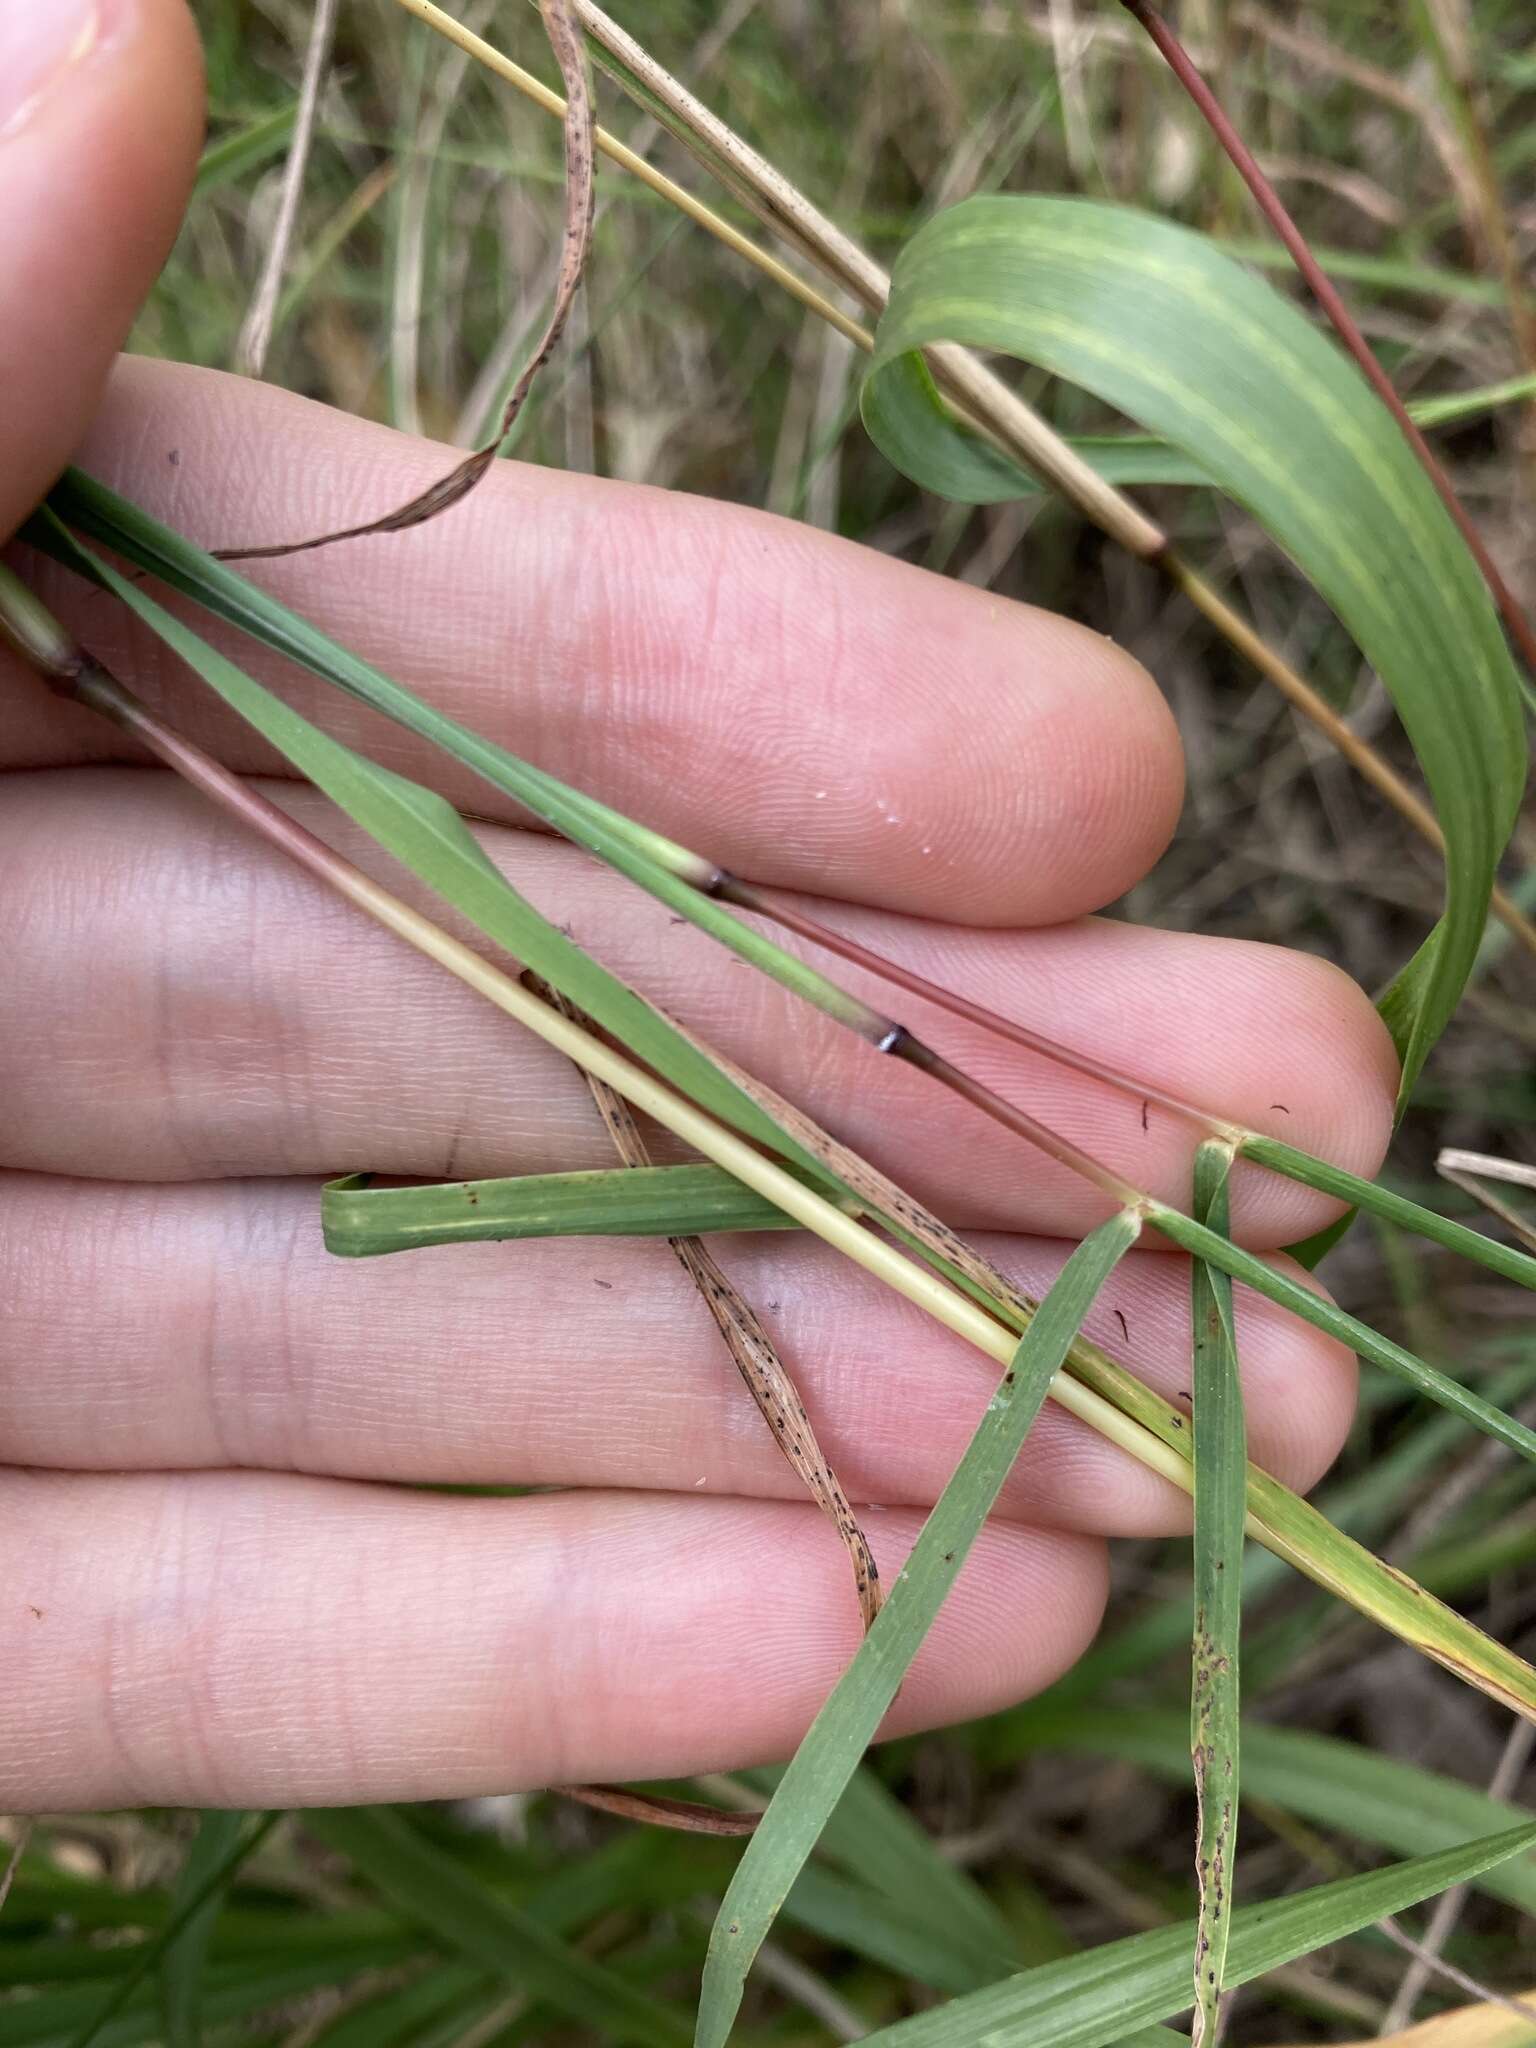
610,146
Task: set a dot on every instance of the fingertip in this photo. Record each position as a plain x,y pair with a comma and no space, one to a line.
923,745
1042,762
1316,1023
94,173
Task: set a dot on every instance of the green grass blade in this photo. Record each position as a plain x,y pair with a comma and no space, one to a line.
1296,1531
647,858
426,834
1360,1507
397,2013
1360,1337
1342,1786
1162,324
233,1998
243,150
1221,1505
1451,407
361,1222
1090,2000
899,1934
906,416
437,1893
872,1836
183,1915
1383,273
825,1761
185,1958
1502,1259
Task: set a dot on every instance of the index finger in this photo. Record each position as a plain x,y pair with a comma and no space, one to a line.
806,711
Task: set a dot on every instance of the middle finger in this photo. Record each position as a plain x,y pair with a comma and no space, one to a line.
207,1326
182,1003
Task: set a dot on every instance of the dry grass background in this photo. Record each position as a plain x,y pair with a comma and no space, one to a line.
423,258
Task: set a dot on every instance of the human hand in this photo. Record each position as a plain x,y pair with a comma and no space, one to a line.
221,1587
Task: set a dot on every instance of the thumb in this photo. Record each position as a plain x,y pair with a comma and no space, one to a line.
100,119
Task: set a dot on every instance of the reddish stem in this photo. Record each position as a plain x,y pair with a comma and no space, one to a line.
1270,205
748,897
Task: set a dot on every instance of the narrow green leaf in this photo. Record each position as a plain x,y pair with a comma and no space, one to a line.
1162,324
1298,1532
1360,1337
193,1899
1382,273
184,1959
360,1221
237,154
1337,1784
872,1835
649,859
1502,1259
1358,1508
1448,408
426,834
1091,2000
906,417
899,1934
396,2014
825,1761
1221,1504
231,1995
433,1890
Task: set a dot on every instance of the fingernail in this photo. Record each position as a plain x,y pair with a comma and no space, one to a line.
40,40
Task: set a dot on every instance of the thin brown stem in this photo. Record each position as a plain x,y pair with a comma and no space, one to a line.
979,394
580,192
1022,1124
747,896
687,1816
751,1349
1342,320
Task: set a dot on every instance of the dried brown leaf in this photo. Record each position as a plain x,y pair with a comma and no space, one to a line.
580,193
